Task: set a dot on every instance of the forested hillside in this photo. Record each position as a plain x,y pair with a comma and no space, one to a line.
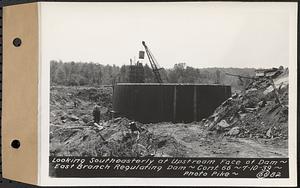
94,74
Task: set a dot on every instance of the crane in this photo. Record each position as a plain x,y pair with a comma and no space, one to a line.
153,63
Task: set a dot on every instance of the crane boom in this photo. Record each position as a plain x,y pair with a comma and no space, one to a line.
153,63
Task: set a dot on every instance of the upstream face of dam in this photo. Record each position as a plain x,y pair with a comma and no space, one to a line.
155,102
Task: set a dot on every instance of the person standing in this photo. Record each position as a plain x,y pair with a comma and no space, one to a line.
96,114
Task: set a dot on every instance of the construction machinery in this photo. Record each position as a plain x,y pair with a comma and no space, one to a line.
153,63
136,72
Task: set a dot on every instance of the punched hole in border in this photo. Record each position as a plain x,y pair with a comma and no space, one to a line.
15,144
17,42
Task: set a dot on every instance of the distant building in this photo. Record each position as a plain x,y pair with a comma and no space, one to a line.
270,73
259,73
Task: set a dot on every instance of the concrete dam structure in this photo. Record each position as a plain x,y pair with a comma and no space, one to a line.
156,102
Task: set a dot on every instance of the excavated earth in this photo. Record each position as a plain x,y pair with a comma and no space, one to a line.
252,123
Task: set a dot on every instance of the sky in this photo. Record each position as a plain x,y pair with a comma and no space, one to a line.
196,33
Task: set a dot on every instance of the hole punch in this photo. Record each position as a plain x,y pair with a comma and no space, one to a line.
16,144
17,42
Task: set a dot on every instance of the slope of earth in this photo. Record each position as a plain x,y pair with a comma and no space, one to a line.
259,112
160,140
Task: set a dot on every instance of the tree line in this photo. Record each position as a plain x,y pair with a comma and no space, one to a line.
94,74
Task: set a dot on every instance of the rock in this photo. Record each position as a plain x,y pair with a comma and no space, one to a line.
223,124
207,124
133,126
106,124
227,102
251,109
234,131
90,123
235,95
117,120
81,122
269,132
251,90
216,118
73,118
242,115
262,104
231,118
86,118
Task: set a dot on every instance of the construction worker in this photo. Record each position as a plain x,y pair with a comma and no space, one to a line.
96,114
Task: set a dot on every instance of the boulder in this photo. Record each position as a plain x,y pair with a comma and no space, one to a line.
262,103
223,124
87,118
234,131
269,133
251,90
73,118
235,95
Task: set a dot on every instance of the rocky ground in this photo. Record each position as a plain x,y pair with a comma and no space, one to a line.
252,123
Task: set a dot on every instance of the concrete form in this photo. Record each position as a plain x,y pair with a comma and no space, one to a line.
151,102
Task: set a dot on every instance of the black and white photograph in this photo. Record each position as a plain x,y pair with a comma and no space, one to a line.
166,84
174,93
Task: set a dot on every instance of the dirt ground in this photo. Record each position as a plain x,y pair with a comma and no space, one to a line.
198,142
249,124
